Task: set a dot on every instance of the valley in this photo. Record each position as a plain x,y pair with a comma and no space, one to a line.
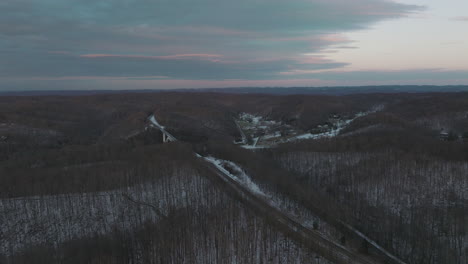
228,178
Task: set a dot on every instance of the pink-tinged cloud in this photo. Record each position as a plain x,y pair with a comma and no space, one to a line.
298,72
204,57
166,57
303,59
382,13
318,39
82,78
313,59
173,83
334,38
347,47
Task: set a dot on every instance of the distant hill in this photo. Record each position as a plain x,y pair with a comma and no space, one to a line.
343,90
72,92
338,90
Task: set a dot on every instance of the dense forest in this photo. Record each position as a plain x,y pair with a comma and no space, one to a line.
360,178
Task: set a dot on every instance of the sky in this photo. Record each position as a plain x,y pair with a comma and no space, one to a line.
164,44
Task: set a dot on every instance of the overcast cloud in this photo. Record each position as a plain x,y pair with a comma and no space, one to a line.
211,40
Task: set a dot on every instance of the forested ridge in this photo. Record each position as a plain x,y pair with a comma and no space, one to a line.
85,179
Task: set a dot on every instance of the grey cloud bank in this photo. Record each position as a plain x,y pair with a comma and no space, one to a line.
244,39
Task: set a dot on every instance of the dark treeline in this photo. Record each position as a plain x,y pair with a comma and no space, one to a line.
77,169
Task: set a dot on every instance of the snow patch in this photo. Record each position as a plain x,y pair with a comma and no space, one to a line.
340,125
155,123
236,173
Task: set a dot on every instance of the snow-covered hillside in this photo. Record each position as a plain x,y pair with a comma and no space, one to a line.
283,203
36,220
184,199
